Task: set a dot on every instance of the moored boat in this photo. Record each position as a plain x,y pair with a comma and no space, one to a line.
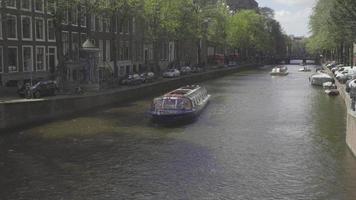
320,78
279,71
332,92
329,85
184,103
304,69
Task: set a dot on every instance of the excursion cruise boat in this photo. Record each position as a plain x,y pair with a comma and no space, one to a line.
184,103
279,71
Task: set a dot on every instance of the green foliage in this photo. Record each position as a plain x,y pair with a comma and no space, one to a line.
248,29
332,23
191,20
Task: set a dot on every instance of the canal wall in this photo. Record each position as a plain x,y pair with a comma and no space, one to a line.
350,118
19,114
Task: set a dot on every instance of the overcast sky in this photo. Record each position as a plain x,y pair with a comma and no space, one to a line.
292,14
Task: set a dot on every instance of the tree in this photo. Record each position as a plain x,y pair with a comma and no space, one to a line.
332,25
59,12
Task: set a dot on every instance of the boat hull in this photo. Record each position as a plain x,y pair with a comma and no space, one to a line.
279,73
172,118
319,81
332,92
304,70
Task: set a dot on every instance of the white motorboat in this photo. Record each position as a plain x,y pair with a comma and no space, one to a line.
329,85
279,71
304,69
320,78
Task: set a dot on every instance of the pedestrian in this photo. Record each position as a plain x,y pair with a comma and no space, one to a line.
28,91
353,94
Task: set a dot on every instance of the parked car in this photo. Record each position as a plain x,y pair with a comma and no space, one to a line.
336,68
345,73
342,69
147,77
341,76
133,79
40,89
347,84
171,73
185,70
331,65
197,69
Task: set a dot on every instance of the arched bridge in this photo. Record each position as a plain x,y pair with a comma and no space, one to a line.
303,59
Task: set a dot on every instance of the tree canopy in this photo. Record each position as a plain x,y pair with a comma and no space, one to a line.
332,25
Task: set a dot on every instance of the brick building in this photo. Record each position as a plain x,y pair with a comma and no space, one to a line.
28,45
27,41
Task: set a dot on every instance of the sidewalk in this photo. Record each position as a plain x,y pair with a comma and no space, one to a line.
9,95
343,93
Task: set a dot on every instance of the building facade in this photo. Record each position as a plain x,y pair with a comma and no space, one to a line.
27,41
29,47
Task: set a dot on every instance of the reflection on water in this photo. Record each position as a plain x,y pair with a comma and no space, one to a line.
261,137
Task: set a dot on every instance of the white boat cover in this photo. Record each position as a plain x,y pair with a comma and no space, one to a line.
320,79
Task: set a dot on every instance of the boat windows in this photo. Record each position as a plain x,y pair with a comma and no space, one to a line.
184,104
172,104
169,104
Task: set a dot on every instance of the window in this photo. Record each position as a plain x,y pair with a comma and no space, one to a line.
120,24
0,25
11,3
100,24
127,26
133,25
120,52
106,22
114,26
26,27
65,39
27,58
52,59
92,22
126,51
101,50
51,7
1,61
26,4
12,59
75,46
107,50
39,29
83,16
164,50
51,30
40,58
83,38
75,16
66,17
11,27
39,5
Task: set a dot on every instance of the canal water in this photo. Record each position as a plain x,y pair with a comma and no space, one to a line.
261,137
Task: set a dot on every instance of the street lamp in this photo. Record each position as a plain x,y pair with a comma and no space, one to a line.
205,24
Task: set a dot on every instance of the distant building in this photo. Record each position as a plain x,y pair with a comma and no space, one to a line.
28,43
242,4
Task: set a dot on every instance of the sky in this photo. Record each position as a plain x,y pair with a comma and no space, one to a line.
292,14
